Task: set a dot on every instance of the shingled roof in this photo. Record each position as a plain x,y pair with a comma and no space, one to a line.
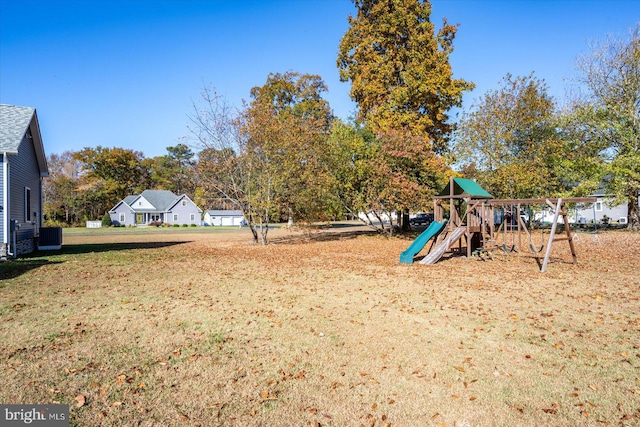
162,200
14,123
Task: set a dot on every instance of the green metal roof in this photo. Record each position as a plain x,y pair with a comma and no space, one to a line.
466,187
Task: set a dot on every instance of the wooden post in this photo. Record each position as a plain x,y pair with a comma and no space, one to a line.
451,206
468,233
569,236
552,235
519,229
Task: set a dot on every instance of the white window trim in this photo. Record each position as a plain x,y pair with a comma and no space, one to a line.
193,217
122,217
175,217
598,206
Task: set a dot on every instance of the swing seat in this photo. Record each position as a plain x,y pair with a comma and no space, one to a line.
534,250
508,249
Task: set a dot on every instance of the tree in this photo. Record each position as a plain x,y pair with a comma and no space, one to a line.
60,194
510,140
269,158
607,119
287,124
373,176
403,84
222,170
111,174
399,69
180,162
106,220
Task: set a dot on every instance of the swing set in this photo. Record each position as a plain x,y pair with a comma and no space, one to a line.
515,224
480,224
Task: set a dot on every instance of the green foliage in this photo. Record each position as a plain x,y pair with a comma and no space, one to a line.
111,175
61,201
605,123
106,220
379,176
509,142
174,171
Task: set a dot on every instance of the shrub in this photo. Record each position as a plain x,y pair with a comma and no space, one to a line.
193,225
185,225
106,220
176,225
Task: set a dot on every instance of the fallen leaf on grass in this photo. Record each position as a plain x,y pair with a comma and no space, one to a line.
459,368
80,401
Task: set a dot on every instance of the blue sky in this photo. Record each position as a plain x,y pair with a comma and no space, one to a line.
125,73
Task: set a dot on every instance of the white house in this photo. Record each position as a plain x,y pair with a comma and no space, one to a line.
224,217
587,213
600,209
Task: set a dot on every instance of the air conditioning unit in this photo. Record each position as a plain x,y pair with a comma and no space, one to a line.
50,239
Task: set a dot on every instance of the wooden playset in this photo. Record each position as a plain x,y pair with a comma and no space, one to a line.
478,224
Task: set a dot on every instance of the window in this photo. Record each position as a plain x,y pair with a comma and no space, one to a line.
27,204
193,217
139,203
175,217
622,220
598,206
121,216
184,203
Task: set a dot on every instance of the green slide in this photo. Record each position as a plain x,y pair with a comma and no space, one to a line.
434,229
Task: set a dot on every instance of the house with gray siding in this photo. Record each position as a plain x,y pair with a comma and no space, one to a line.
599,212
159,206
602,212
23,166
